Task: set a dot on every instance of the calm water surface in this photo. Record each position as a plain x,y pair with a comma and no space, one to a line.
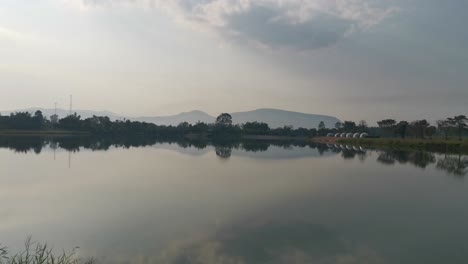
241,203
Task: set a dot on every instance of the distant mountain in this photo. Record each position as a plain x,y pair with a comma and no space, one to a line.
190,117
273,117
279,118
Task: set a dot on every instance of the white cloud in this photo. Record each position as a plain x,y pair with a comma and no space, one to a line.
13,35
300,24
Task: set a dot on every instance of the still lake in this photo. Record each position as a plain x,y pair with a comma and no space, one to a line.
234,203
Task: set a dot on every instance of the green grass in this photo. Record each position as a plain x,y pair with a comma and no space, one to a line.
435,145
38,253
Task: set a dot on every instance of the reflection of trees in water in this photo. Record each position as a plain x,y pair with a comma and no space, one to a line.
71,143
454,164
386,158
255,146
422,159
322,148
24,145
348,153
362,156
223,151
223,147
419,159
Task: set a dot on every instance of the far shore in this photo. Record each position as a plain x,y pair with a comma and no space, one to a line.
52,133
41,133
260,137
325,140
435,145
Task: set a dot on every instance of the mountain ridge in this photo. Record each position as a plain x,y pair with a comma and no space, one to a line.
273,117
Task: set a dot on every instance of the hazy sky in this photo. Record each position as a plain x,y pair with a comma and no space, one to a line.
354,59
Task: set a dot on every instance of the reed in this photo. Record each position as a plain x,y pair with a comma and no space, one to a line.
40,253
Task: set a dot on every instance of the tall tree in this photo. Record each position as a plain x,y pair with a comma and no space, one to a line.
338,126
38,120
401,128
362,126
54,119
445,126
387,125
420,126
430,131
461,123
321,125
71,122
224,119
349,126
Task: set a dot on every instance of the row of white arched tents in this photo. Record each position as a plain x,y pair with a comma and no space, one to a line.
348,135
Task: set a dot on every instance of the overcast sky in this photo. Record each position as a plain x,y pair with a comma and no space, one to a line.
354,59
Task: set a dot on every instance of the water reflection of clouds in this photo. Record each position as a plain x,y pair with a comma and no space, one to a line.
264,243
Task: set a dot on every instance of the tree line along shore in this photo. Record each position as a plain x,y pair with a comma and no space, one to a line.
447,135
25,123
450,132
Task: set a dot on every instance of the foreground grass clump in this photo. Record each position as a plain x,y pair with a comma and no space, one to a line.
437,145
37,253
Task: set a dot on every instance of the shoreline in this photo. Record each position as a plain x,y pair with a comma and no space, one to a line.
433,145
52,133
42,133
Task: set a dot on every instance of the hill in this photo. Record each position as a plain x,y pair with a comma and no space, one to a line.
279,118
191,117
273,117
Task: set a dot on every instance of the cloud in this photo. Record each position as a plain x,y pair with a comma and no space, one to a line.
13,35
274,243
296,24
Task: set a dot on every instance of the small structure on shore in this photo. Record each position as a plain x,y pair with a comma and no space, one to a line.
337,135
343,135
364,135
349,135
356,135
329,135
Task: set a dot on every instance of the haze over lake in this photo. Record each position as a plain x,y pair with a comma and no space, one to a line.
238,202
